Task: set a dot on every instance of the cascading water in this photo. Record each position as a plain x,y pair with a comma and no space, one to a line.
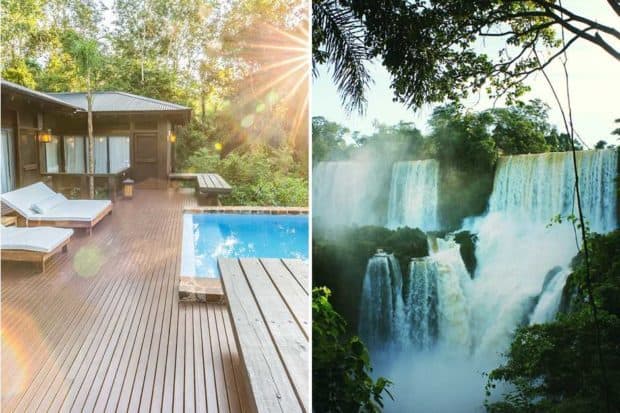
550,298
381,308
421,303
522,266
343,193
453,308
542,186
413,195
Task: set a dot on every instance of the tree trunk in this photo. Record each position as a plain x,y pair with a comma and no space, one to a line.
91,142
203,107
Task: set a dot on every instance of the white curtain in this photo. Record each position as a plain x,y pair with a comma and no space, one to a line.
101,155
119,153
74,154
7,169
51,155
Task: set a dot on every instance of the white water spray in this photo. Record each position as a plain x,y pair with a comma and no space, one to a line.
414,195
344,194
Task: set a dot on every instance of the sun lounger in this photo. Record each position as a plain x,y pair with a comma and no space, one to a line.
33,244
39,205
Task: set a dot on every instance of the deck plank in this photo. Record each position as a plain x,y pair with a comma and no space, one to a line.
277,367
299,269
114,338
294,296
292,345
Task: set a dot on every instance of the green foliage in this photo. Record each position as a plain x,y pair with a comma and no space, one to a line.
328,142
346,251
462,139
337,40
259,176
399,142
554,367
522,128
617,130
340,364
18,71
443,59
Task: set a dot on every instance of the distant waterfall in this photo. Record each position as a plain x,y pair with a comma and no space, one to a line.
541,186
413,195
343,194
382,308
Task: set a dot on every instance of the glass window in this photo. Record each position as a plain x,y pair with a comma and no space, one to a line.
7,167
52,155
74,154
119,153
101,155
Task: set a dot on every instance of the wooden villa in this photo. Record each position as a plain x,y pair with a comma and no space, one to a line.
44,137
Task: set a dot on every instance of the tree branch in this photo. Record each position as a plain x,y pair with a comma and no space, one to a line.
615,5
552,6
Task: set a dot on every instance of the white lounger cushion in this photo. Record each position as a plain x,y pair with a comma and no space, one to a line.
39,239
21,200
74,210
42,207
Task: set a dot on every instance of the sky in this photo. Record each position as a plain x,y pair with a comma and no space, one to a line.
594,78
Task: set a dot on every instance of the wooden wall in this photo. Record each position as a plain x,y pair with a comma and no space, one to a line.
25,118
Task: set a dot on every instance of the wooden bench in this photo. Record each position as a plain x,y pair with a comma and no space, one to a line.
268,303
209,187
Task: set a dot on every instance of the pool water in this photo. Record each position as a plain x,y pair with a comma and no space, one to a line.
242,235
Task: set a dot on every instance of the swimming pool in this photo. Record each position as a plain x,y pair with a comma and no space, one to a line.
209,236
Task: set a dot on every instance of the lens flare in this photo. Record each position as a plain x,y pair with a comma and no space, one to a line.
21,338
247,121
88,261
274,101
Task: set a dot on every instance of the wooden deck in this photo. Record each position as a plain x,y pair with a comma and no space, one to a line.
268,301
103,330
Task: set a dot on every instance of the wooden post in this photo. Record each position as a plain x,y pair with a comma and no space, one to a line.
112,187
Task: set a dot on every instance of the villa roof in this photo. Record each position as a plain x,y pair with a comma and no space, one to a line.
102,102
118,102
14,87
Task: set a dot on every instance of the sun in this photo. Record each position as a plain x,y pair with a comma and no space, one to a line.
279,80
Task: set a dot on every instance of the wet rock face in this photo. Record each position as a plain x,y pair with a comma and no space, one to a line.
467,243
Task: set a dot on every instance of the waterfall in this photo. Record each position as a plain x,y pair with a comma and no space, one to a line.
454,326
382,309
345,193
550,298
413,195
541,186
453,307
421,303
516,246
